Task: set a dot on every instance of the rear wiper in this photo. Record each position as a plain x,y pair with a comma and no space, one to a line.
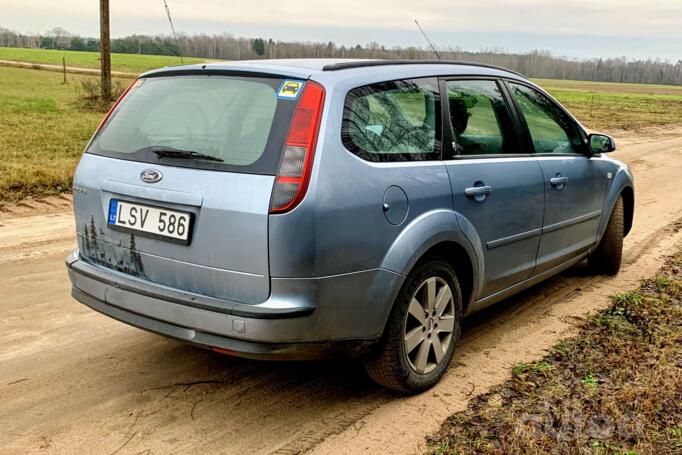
170,152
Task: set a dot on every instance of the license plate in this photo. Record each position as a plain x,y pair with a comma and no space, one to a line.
145,220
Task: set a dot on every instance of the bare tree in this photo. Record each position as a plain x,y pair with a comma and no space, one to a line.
536,63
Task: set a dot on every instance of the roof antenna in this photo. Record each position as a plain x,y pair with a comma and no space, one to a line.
170,21
427,39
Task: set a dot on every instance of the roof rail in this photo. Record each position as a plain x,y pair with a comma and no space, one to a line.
366,63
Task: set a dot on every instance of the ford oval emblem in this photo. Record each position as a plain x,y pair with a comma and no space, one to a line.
151,176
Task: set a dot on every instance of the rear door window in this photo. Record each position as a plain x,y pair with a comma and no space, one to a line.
239,121
393,121
480,118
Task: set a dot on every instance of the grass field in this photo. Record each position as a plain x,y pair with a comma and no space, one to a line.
43,130
120,62
616,388
42,133
611,106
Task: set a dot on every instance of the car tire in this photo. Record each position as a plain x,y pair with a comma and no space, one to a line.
400,361
607,257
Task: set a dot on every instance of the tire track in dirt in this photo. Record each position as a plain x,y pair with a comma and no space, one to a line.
75,381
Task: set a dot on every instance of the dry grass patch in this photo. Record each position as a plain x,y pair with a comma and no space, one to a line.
616,388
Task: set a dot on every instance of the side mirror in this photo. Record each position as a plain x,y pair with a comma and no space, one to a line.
601,143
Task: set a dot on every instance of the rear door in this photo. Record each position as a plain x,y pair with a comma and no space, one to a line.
497,190
175,188
574,184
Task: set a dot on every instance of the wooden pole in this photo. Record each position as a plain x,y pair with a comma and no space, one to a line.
64,68
105,50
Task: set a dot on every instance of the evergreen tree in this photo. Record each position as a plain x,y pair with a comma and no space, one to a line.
93,230
258,46
132,248
77,44
86,238
135,257
93,238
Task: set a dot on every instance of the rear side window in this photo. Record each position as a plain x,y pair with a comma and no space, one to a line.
239,121
480,118
551,130
393,121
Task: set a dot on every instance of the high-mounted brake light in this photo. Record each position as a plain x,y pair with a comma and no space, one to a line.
293,176
136,83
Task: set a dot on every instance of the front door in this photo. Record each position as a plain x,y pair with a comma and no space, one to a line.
574,183
497,191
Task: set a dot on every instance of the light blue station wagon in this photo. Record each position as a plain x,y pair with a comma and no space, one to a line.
290,209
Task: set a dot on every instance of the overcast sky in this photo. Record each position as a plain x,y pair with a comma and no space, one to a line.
575,28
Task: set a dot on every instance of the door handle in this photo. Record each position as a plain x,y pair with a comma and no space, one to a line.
479,193
558,182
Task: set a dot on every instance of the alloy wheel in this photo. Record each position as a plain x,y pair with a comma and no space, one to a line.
429,324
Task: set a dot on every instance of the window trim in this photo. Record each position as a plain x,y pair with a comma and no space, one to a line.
352,148
525,130
449,135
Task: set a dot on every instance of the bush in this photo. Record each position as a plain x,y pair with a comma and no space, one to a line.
88,94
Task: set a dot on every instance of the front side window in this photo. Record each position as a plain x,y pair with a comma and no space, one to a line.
551,130
393,121
480,118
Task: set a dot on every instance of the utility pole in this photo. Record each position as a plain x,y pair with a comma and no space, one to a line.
105,50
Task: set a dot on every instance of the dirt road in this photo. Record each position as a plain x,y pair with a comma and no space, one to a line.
74,381
60,68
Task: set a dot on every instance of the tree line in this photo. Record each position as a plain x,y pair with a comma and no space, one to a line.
539,64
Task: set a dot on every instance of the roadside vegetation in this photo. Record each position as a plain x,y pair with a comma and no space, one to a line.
616,388
44,124
132,63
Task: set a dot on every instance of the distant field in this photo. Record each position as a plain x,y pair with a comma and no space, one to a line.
610,106
120,62
43,130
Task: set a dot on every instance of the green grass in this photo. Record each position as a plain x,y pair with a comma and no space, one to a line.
616,388
119,62
42,132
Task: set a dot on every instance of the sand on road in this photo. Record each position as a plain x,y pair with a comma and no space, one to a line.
74,381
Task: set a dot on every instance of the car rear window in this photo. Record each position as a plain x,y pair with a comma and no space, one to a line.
239,121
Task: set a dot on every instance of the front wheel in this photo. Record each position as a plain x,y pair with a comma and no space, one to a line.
422,330
607,257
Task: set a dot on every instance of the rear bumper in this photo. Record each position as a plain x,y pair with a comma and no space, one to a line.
302,318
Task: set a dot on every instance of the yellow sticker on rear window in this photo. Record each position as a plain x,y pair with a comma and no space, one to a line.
290,89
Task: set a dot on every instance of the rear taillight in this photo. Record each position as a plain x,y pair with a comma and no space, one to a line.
136,83
293,175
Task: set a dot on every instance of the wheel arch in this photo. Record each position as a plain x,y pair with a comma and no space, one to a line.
436,235
623,185
458,258
628,195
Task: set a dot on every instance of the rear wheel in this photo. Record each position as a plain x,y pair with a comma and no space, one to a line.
607,257
421,332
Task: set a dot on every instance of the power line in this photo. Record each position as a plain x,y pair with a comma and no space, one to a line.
170,21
